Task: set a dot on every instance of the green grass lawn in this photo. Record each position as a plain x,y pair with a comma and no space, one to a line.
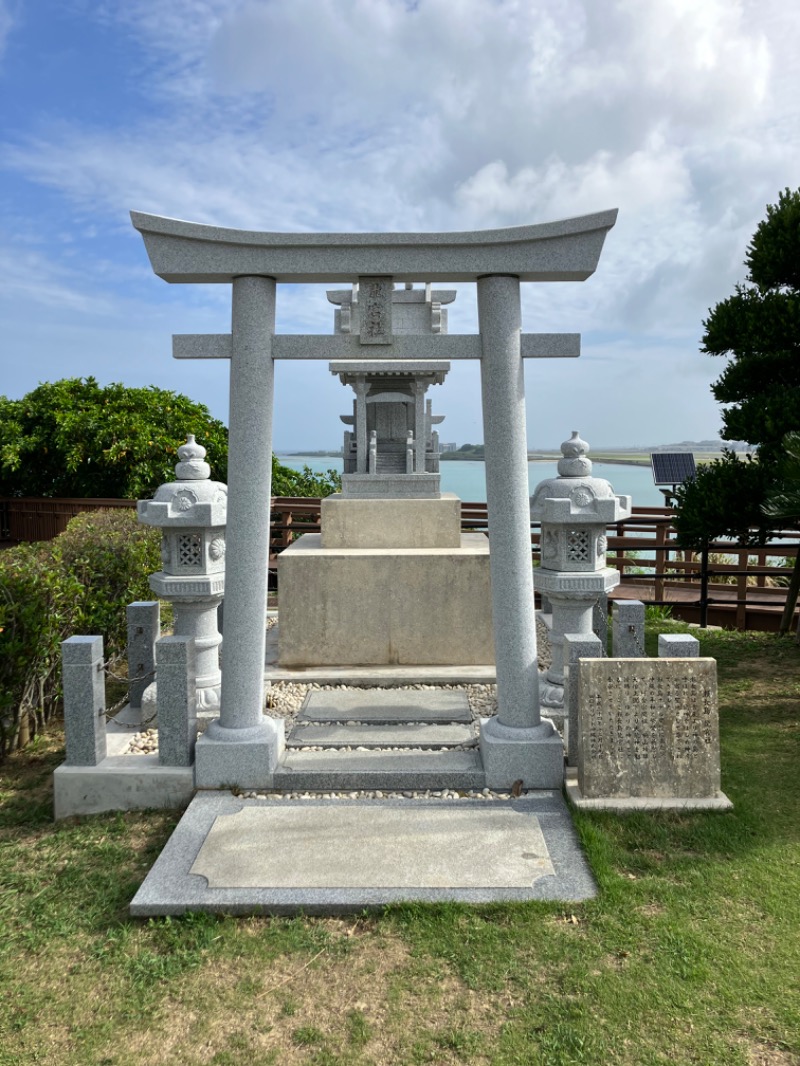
691,953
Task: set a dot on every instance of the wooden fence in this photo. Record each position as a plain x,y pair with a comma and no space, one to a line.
730,585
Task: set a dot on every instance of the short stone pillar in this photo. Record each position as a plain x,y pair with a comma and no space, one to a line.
627,630
577,646
191,513
144,627
574,510
177,701
84,700
678,646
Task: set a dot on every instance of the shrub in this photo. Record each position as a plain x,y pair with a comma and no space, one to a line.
112,556
79,583
37,612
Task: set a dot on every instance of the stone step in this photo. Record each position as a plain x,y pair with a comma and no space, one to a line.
319,771
407,735
385,706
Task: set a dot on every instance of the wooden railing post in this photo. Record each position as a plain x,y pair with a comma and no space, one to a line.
741,590
661,559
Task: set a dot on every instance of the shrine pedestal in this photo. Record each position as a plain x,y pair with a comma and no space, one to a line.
391,604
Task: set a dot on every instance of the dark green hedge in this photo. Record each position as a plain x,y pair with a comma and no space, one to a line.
80,583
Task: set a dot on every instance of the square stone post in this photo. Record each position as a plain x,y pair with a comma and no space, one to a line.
84,700
577,646
678,646
144,620
242,747
516,744
177,701
627,629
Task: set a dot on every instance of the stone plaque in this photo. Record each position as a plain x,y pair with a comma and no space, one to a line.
648,728
375,310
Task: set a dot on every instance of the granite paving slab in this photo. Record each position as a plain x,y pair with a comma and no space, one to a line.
256,856
435,845
408,735
323,771
387,706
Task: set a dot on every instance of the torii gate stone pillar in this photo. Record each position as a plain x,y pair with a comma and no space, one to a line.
242,748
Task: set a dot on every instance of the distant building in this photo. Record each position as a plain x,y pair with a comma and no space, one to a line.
448,447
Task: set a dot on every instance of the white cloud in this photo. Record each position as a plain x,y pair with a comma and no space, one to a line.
453,114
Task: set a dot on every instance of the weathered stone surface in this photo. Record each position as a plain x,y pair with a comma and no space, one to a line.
648,728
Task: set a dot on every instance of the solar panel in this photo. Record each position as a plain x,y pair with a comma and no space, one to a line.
672,468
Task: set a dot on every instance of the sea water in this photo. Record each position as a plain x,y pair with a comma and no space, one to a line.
467,477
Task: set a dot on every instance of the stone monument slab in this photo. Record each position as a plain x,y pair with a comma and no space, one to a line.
648,728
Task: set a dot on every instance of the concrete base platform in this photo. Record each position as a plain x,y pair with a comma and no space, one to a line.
120,782
236,856
620,804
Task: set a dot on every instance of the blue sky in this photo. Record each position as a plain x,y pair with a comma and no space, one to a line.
393,115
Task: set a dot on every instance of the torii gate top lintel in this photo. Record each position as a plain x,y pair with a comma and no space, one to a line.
189,252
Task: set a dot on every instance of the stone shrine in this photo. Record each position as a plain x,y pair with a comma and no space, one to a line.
392,436
390,579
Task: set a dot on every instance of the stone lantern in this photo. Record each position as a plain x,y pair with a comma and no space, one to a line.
574,510
191,513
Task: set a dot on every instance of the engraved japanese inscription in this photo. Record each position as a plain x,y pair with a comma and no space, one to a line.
375,310
648,727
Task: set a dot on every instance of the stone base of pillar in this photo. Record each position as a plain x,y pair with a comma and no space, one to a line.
239,758
533,756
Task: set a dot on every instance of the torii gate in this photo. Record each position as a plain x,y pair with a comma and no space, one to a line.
243,746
